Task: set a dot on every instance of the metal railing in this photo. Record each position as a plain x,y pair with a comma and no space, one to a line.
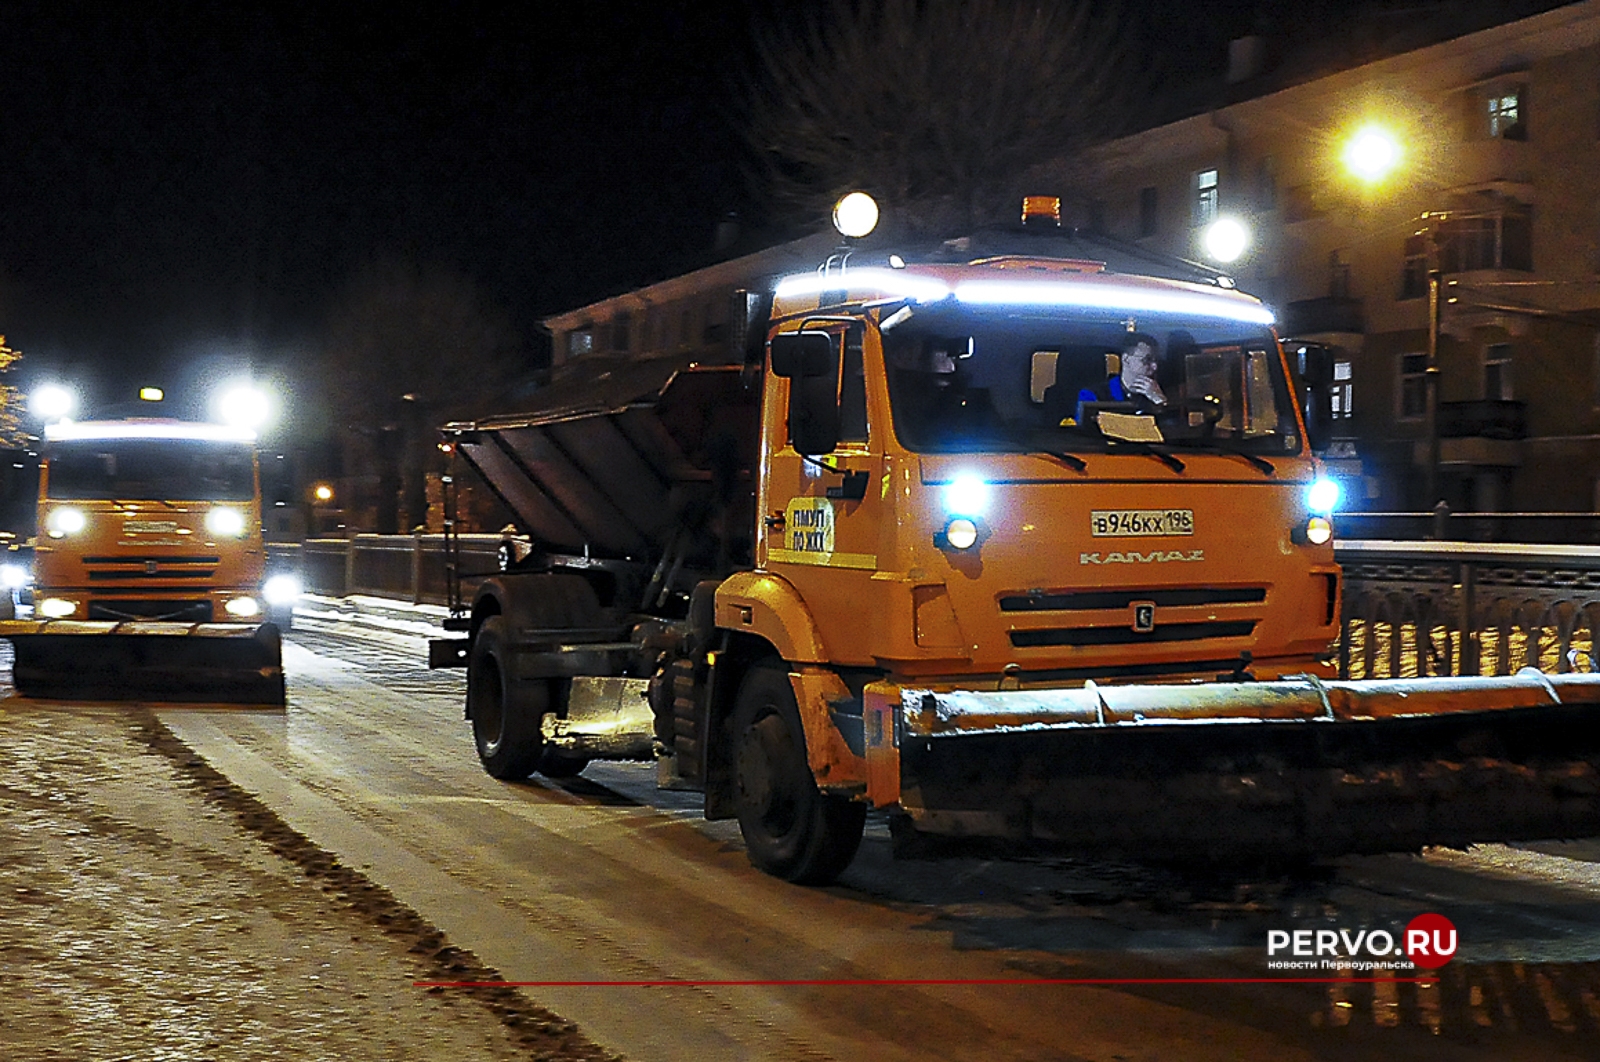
1410,608
407,567
1455,608
1443,525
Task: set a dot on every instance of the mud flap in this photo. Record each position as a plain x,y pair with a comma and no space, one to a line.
221,663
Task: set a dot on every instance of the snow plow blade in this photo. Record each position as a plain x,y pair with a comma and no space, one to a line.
211,663
1286,770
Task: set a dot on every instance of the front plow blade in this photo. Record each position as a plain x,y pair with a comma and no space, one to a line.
221,663
1275,770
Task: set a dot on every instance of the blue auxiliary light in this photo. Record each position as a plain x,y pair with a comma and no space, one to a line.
967,495
1324,496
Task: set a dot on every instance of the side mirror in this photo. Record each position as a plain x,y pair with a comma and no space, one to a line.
1315,363
810,362
804,355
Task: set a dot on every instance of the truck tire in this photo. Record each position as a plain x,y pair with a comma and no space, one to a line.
791,829
505,713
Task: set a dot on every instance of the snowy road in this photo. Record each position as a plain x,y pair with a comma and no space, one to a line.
603,878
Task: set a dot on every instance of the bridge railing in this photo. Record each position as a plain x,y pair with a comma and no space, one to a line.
1410,608
406,567
1462,608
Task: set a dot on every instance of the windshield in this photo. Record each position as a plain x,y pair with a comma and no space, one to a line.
150,470
961,380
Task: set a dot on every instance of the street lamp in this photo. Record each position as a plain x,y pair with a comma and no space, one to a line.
1371,154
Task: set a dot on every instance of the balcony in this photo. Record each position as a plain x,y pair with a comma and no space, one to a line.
1482,434
1493,164
1322,316
1484,418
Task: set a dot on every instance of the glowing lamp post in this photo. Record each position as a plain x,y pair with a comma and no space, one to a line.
1371,154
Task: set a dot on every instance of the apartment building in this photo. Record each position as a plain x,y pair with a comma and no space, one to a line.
1492,188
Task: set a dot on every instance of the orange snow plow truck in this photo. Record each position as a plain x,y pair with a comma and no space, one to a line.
1025,552
148,569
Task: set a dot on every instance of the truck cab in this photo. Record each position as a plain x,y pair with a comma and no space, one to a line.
149,520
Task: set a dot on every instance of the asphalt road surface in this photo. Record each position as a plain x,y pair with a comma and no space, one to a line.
603,878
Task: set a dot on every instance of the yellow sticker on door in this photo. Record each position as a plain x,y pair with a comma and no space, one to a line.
809,527
808,538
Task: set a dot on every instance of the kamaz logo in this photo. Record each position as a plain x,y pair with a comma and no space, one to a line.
1160,556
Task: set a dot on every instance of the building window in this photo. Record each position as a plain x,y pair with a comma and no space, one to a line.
1413,386
1414,275
622,334
1343,390
1497,372
1147,212
1500,240
1205,197
580,342
1505,114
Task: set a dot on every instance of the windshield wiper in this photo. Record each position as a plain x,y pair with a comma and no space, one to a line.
1072,461
1266,467
1138,447
1110,441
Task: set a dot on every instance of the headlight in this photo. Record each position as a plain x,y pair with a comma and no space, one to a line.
1323,496
1319,529
227,523
243,607
960,533
65,521
281,590
56,608
14,576
967,495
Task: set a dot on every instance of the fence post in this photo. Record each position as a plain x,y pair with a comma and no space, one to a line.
1441,521
1471,652
416,567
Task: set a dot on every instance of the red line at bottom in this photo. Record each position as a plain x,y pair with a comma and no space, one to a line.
939,981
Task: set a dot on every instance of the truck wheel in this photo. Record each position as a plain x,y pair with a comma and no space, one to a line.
791,829
505,713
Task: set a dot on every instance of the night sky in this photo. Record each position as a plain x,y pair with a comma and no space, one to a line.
184,182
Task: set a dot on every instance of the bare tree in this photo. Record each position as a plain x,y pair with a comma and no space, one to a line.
936,107
12,434
406,348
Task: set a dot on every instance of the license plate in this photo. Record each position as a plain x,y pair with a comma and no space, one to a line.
149,527
1118,523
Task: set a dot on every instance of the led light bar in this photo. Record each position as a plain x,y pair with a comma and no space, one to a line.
167,429
890,282
1119,297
